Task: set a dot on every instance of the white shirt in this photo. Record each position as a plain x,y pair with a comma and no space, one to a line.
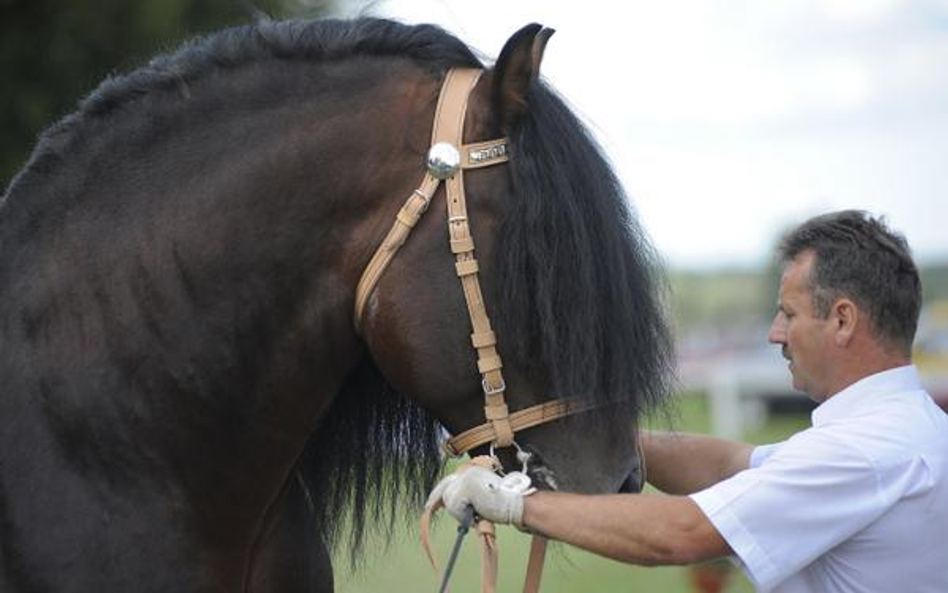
856,503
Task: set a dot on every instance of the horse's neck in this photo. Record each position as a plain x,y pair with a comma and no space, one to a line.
201,285
213,220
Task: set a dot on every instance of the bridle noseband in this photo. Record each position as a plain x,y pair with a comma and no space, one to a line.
447,159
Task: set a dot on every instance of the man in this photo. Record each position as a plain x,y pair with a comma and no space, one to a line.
857,502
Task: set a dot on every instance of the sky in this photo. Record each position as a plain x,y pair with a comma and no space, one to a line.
729,121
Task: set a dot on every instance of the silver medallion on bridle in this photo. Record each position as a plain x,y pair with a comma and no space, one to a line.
444,160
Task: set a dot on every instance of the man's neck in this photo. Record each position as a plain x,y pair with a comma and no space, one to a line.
856,367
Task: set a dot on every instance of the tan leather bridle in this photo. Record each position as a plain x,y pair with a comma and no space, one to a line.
447,160
448,157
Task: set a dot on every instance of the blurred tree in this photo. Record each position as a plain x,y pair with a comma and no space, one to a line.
735,299
721,299
53,52
934,281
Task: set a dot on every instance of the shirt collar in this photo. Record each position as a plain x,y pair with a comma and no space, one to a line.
899,379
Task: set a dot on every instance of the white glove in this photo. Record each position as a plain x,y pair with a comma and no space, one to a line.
494,498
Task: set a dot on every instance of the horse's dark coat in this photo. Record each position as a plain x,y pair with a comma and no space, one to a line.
178,263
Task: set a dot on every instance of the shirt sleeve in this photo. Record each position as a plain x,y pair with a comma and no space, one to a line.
806,496
762,452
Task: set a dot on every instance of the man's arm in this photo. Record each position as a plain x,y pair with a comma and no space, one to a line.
683,463
646,529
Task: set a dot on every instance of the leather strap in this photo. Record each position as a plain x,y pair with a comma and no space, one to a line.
489,363
484,154
449,116
490,564
531,583
452,105
483,434
405,220
448,127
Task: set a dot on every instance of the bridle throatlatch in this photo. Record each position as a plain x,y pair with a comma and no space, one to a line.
447,159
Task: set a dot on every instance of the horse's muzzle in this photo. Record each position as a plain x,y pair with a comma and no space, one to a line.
635,481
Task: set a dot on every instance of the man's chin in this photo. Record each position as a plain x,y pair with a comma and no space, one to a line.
797,383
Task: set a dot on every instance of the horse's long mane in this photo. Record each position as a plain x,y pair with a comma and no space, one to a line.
304,40
581,299
374,453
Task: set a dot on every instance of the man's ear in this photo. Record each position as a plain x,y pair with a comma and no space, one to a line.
845,315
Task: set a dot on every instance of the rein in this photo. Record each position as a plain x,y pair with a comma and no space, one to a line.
447,159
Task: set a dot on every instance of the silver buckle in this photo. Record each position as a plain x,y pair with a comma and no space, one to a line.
491,391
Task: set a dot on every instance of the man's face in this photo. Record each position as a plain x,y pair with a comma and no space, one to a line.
807,341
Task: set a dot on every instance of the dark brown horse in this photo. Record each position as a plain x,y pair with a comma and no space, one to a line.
184,402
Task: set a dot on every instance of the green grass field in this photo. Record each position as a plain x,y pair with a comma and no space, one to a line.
403,568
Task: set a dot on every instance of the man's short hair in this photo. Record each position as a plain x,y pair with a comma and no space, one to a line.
859,257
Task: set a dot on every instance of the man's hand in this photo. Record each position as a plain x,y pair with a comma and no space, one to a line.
496,499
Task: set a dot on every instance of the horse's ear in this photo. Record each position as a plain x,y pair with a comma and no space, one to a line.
516,69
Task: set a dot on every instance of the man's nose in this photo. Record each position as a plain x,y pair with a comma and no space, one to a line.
778,330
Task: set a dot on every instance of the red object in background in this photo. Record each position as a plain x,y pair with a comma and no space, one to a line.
711,577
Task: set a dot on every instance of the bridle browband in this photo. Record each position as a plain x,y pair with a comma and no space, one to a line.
447,160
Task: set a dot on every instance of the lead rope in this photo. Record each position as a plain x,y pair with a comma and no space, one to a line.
486,532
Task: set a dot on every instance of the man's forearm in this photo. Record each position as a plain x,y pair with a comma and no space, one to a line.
644,529
683,463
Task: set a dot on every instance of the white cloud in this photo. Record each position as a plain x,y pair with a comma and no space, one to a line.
858,10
